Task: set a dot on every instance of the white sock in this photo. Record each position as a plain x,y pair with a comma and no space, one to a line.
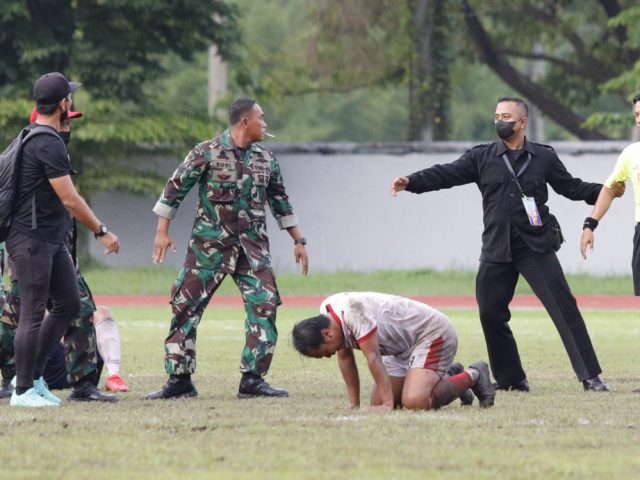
475,374
108,339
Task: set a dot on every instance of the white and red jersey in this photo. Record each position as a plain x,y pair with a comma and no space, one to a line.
400,323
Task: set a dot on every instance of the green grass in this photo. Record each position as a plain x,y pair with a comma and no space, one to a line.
158,281
556,431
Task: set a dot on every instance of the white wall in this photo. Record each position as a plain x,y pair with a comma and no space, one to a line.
341,196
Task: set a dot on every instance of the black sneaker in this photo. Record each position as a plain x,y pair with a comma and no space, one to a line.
175,387
86,391
255,386
466,398
521,386
636,390
483,388
595,384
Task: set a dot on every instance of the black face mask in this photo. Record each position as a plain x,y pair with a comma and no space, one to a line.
505,129
66,137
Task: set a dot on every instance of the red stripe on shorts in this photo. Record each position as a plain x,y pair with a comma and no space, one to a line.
435,352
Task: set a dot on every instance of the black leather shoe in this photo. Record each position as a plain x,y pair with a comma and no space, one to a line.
595,384
483,389
85,391
7,390
175,387
521,386
255,386
466,398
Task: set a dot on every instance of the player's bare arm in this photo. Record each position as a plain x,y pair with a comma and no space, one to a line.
371,350
349,369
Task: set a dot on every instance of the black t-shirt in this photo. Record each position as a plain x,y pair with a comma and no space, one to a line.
44,157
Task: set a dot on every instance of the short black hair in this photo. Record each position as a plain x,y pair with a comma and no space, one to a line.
47,109
518,101
636,99
238,108
307,334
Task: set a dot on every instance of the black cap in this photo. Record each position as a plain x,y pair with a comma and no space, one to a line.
50,88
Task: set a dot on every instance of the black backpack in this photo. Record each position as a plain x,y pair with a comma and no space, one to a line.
10,173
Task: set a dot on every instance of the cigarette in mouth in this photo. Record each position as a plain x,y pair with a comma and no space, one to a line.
269,134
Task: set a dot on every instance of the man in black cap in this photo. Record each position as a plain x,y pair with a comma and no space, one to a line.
46,197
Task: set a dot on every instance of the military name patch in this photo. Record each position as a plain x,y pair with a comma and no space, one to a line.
261,173
223,170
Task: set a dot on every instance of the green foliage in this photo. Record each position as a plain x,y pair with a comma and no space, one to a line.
114,46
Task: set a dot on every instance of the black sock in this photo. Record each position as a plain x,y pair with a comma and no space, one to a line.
21,390
182,376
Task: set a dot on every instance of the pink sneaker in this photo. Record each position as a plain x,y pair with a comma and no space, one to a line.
116,384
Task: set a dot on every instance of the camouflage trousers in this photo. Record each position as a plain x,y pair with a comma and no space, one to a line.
190,296
81,352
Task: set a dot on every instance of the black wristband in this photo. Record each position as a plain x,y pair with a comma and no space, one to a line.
590,223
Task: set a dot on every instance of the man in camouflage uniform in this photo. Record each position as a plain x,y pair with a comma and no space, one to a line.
81,354
237,178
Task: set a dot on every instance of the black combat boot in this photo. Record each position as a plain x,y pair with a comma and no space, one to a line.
85,391
178,386
252,385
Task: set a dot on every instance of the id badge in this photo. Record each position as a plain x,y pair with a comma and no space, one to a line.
532,211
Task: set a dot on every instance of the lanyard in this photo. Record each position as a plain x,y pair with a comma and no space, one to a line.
524,167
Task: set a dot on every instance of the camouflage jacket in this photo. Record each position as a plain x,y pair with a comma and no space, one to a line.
234,186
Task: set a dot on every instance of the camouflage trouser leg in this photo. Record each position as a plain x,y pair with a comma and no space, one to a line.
81,351
190,296
261,298
7,362
8,325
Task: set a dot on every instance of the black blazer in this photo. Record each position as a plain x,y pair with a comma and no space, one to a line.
501,199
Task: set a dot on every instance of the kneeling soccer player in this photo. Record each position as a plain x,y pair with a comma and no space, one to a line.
408,346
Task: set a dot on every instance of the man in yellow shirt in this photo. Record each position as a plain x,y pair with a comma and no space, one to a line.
627,168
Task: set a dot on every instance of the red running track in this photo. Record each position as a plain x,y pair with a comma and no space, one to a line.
599,302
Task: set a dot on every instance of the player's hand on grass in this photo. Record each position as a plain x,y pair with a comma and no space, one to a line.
587,240
160,245
110,242
398,185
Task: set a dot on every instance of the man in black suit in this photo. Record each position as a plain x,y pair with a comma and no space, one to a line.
512,174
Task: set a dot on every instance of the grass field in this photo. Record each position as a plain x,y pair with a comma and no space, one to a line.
556,431
157,281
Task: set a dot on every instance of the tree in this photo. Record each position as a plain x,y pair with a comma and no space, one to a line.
122,51
114,47
582,49
627,84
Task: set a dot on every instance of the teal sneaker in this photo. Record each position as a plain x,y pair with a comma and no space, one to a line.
30,398
42,389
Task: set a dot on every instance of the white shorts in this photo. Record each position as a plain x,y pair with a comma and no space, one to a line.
435,353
